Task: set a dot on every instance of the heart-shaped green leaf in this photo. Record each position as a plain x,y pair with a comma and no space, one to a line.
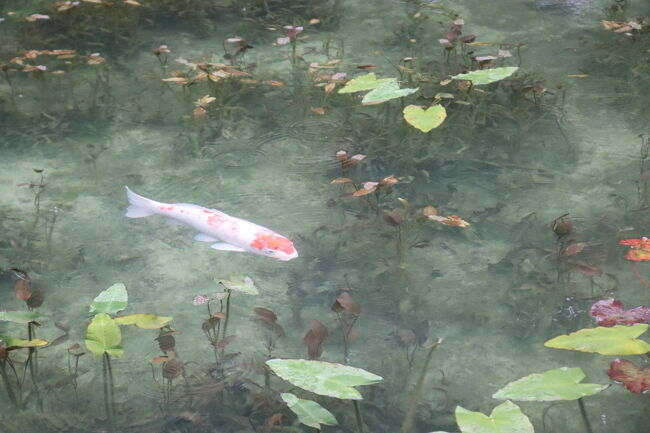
240,284
103,335
18,316
111,300
324,378
486,76
144,321
558,384
385,92
308,412
364,82
617,340
425,120
505,418
17,343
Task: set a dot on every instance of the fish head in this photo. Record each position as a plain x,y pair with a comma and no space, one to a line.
274,245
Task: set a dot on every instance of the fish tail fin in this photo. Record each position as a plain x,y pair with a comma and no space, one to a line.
139,206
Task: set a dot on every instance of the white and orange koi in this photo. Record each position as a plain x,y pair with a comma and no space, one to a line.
228,233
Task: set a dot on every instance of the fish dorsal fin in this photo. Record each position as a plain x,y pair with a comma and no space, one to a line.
223,246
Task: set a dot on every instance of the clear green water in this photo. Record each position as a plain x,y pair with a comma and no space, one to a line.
509,163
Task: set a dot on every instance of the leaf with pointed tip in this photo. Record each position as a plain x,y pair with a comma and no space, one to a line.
323,378
17,343
364,82
634,378
18,316
505,418
558,384
486,76
240,284
386,92
144,321
308,412
425,120
104,336
617,340
609,312
111,301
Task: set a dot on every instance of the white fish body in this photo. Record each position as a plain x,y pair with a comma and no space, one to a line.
228,233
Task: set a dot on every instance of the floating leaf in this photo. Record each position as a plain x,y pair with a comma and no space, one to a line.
505,418
144,321
558,384
618,340
340,180
486,76
634,378
104,336
609,312
365,82
111,300
640,249
17,343
18,316
425,120
308,412
240,284
323,378
386,92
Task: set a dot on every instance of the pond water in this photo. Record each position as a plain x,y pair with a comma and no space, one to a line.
562,141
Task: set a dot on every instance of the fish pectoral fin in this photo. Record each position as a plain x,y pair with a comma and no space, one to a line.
226,247
205,238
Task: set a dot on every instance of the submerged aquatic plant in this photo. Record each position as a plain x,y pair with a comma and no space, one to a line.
639,252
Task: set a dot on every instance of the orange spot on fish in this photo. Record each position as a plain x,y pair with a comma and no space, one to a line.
166,208
274,242
215,221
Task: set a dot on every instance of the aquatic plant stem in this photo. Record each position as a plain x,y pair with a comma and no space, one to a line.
583,412
357,415
638,275
33,366
109,394
5,379
225,322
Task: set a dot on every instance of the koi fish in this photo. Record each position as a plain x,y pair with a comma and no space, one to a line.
227,232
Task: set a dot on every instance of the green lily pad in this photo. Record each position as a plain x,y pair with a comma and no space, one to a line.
425,120
505,418
558,384
104,336
323,378
364,82
240,284
308,412
386,92
487,76
112,300
17,343
616,340
144,321
18,316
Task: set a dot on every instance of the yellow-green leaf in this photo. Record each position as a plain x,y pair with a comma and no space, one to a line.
618,340
144,321
104,336
365,82
425,120
17,343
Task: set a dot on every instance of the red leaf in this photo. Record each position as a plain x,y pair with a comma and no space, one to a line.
609,312
640,251
575,248
634,378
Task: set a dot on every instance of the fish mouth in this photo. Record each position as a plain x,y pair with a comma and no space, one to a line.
289,256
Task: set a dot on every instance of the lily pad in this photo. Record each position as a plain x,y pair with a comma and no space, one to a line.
558,384
365,82
308,412
505,418
617,340
324,378
425,120
110,301
240,284
144,321
487,76
17,343
634,378
18,316
104,336
386,92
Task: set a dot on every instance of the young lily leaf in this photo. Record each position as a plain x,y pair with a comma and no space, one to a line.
609,312
104,336
634,378
558,384
618,340
240,284
111,300
17,343
18,316
323,378
505,418
308,412
386,92
425,120
364,82
487,76
144,321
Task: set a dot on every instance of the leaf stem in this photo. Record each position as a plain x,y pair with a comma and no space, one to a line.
583,412
357,414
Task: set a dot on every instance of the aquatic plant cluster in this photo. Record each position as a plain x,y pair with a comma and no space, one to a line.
451,216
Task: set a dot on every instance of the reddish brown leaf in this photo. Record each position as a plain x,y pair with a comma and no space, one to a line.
640,249
60,339
23,289
266,315
634,378
172,369
393,218
314,339
159,359
225,341
609,312
36,300
345,302
366,66
575,248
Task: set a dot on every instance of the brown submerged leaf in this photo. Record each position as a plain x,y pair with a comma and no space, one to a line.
172,369
314,339
344,302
